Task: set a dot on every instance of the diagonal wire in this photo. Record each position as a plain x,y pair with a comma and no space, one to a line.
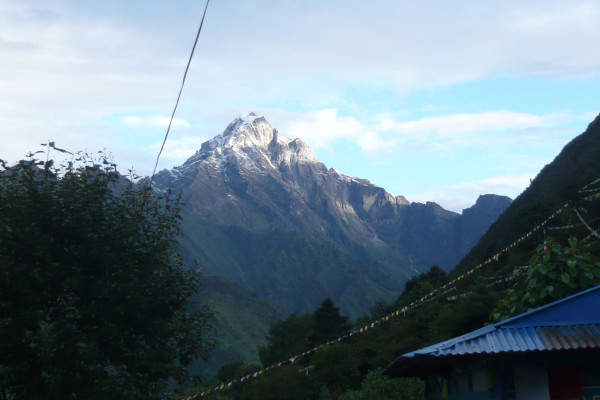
441,291
179,95
593,232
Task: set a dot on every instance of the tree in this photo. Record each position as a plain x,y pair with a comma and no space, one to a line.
334,368
554,273
465,313
436,276
94,298
421,285
297,333
328,323
376,386
284,383
286,338
232,371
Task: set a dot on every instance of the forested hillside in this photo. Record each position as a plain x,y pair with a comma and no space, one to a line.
551,250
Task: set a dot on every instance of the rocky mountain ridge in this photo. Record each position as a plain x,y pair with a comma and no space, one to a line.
251,180
269,224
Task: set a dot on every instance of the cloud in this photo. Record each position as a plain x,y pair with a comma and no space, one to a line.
321,128
70,67
17,45
178,149
462,195
410,46
118,57
384,134
154,121
463,123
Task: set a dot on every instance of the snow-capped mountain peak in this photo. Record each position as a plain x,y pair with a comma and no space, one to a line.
249,142
253,177
252,137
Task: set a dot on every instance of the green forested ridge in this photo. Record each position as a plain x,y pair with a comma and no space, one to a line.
345,370
338,369
264,262
241,324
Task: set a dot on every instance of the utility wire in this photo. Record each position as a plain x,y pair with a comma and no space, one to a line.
179,95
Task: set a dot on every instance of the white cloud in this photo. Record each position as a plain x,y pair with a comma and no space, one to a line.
321,128
119,58
178,149
457,124
411,46
384,134
462,195
69,69
154,121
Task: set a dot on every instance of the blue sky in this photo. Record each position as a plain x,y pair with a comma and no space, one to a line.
437,101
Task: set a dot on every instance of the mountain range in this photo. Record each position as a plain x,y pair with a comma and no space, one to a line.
275,232
263,212
570,183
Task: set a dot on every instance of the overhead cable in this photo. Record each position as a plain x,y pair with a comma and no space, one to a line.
179,95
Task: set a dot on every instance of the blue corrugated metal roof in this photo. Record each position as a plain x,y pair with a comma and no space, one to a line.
568,324
503,340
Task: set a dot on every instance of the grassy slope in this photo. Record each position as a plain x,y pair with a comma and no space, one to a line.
288,269
242,324
264,263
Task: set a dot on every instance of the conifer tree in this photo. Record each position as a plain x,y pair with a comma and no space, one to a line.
328,323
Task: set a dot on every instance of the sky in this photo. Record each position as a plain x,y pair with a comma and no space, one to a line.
433,100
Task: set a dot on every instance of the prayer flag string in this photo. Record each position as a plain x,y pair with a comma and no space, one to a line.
589,184
442,290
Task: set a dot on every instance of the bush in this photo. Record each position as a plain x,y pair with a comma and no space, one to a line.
94,299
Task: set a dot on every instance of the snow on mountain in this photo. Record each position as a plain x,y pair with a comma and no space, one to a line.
250,142
253,139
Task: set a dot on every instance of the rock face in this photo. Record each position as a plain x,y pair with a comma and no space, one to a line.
251,182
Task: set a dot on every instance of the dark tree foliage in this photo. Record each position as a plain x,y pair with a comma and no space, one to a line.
335,368
297,333
418,286
464,314
286,383
286,338
555,272
94,299
328,323
376,386
232,371
436,276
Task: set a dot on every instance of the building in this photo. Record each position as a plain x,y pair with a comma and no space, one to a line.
552,352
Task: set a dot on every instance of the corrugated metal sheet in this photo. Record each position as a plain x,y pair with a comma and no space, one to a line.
568,324
504,340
